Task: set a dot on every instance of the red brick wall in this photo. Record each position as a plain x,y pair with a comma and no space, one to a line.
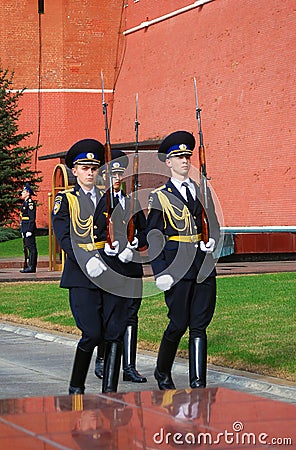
69,46
243,56
77,40
241,53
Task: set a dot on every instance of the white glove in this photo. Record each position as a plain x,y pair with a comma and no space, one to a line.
126,255
134,244
164,282
28,234
208,247
95,267
111,251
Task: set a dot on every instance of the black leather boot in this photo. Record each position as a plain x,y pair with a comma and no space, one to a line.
197,362
99,365
32,264
130,372
27,270
113,352
166,355
33,260
79,371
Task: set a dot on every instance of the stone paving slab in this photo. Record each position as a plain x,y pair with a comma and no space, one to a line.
38,363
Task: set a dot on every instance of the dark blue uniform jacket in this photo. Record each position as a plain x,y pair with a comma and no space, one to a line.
173,234
81,233
28,217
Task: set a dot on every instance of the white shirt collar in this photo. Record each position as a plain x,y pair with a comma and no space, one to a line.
181,189
179,183
118,194
120,197
92,191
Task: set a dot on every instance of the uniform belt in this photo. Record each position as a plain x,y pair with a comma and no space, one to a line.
192,238
92,246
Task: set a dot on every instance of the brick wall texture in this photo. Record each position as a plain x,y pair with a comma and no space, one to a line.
241,53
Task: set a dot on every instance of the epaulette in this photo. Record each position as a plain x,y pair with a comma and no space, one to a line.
159,189
66,191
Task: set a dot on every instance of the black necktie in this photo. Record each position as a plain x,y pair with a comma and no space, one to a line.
90,200
190,200
116,200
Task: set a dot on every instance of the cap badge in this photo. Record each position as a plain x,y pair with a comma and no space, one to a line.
183,147
90,156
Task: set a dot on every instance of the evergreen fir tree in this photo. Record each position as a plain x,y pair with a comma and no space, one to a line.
15,158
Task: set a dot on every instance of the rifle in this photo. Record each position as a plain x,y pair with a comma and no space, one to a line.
203,173
135,181
109,184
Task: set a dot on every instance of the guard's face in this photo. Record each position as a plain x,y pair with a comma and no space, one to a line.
116,180
179,166
86,175
24,194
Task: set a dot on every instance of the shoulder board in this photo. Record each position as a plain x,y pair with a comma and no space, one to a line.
159,189
66,191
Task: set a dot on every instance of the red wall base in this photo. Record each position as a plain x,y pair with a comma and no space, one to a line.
265,243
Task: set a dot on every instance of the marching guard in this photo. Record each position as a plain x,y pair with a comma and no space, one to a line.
122,260
80,228
182,262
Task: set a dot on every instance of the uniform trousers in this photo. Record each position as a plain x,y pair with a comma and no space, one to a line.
133,309
192,305
30,243
134,302
99,315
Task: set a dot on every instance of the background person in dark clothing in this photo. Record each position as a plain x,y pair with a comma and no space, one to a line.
28,230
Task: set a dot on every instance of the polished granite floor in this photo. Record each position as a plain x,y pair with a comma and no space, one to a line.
210,418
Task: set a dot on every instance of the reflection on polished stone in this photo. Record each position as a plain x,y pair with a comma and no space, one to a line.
203,418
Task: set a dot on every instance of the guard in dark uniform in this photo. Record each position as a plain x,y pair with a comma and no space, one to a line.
131,269
79,224
182,263
28,230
